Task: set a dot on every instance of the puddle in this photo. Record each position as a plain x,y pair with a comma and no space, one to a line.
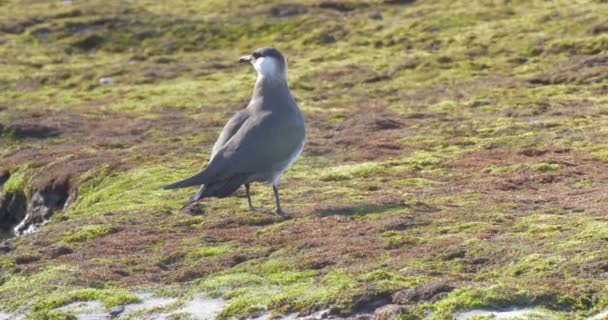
527,314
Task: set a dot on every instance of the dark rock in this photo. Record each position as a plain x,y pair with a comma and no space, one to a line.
388,312
12,210
116,311
369,303
288,10
43,203
4,176
421,293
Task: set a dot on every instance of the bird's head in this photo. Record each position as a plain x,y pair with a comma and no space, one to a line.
268,62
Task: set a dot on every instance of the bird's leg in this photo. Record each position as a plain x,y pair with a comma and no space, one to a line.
251,207
196,197
275,188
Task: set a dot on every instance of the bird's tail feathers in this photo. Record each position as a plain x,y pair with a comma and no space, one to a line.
219,189
223,188
195,180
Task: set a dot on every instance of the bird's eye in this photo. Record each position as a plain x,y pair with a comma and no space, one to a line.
256,55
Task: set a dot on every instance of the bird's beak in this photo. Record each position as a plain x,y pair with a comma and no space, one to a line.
245,59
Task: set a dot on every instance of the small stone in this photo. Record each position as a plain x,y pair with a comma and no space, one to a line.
105,80
388,312
116,311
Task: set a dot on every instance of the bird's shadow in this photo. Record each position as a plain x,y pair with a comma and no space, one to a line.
375,208
361,209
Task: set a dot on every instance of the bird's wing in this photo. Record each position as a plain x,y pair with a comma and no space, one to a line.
260,144
232,126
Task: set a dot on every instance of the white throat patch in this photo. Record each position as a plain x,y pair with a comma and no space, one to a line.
266,67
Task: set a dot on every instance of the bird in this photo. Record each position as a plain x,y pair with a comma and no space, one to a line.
259,142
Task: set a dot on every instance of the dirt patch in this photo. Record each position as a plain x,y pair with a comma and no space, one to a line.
366,135
546,180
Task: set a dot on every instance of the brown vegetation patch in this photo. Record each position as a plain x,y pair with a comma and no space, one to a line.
426,292
329,241
370,134
552,191
577,70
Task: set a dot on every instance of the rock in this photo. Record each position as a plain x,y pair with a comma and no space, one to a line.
388,312
116,311
420,293
106,80
367,303
12,210
43,204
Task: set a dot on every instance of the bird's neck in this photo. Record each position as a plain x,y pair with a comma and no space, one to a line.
271,87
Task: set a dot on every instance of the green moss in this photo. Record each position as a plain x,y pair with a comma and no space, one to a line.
600,154
51,288
504,169
546,167
109,297
347,172
470,298
209,251
87,233
136,189
19,181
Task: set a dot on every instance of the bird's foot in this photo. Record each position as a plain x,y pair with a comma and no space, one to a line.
254,209
280,212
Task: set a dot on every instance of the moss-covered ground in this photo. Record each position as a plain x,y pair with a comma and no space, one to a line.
453,142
